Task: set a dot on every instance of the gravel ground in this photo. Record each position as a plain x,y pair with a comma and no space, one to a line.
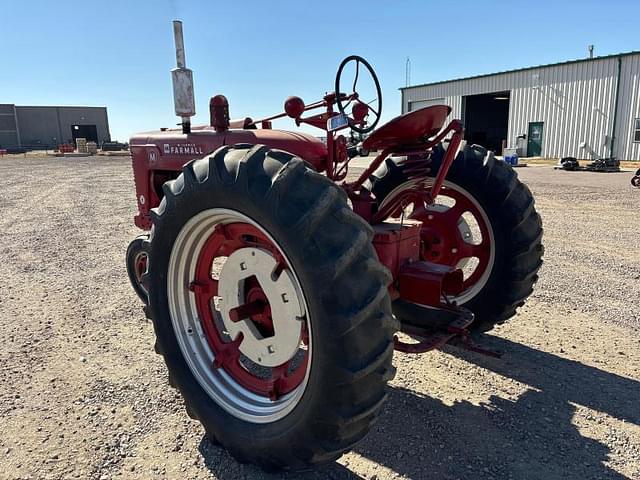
82,395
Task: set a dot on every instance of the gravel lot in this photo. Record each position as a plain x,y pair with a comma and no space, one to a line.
82,395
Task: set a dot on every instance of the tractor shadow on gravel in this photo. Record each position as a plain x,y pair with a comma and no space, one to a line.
532,437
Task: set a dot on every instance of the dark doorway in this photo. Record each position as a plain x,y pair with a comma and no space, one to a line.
486,119
534,139
90,132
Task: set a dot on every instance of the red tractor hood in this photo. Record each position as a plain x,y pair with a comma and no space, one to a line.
173,148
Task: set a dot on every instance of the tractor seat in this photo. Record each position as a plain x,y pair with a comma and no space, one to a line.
409,129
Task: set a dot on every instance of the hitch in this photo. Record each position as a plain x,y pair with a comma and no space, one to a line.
431,339
435,327
463,340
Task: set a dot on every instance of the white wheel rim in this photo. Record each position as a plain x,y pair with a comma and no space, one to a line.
218,384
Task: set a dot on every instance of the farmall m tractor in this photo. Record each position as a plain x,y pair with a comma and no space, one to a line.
276,286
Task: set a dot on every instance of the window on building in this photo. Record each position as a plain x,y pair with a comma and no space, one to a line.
636,131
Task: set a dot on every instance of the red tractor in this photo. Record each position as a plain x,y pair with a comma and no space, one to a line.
276,285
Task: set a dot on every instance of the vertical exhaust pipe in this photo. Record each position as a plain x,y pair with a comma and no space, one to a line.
182,77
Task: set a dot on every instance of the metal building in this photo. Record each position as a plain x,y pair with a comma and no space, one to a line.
46,127
585,108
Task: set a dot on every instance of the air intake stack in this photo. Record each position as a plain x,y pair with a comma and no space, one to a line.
183,97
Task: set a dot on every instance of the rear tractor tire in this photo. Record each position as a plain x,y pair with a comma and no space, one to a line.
270,307
484,221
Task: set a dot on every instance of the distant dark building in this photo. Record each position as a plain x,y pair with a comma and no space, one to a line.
46,127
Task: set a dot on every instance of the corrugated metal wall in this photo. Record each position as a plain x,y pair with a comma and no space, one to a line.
9,134
574,100
417,105
628,109
43,125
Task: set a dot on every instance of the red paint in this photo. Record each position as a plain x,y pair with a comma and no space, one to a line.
223,242
294,107
452,150
219,113
160,156
172,149
247,310
410,128
425,283
442,241
359,111
66,148
141,266
396,245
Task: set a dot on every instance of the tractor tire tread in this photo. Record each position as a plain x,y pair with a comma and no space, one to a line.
509,203
310,216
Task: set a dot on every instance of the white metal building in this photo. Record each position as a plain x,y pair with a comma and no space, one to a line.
585,108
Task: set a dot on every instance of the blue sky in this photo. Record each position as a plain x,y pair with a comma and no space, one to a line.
119,53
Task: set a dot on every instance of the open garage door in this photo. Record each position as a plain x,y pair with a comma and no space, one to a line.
486,119
90,132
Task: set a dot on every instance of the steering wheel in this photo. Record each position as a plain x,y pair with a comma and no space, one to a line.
360,109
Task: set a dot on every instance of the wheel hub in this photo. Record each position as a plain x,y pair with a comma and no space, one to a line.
286,308
140,263
240,315
257,307
441,243
448,239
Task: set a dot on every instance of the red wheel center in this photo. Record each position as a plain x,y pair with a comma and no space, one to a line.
443,242
262,319
437,243
271,382
141,266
